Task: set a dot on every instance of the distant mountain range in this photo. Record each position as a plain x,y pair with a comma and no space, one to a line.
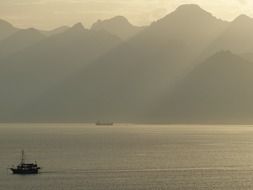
216,91
188,67
6,29
118,26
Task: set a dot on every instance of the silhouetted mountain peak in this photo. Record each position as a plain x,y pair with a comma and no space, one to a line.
29,32
118,26
243,19
224,57
77,27
60,29
6,29
57,30
4,23
20,40
118,20
187,15
191,9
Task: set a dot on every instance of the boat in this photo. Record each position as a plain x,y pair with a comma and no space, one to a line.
25,168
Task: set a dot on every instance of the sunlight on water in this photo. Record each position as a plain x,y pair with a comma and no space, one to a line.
128,157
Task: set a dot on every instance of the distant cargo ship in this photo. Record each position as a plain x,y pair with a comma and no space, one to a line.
25,168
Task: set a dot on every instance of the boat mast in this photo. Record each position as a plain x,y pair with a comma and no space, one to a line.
22,157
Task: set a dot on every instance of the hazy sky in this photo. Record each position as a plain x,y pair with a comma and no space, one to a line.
46,14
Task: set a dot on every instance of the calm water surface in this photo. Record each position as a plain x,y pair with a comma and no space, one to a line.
128,157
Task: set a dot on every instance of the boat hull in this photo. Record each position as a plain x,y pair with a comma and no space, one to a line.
24,172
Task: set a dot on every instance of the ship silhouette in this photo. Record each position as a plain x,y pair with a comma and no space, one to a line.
24,168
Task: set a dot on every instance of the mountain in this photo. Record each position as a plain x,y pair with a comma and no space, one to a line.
248,56
118,26
75,47
6,29
32,71
82,75
191,24
58,30
19,41
129,80
216,91
238,37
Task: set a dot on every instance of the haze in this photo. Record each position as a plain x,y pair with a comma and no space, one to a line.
48,14
186,67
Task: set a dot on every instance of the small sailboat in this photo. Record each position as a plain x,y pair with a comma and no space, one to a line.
25,168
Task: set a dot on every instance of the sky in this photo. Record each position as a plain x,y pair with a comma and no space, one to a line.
48,14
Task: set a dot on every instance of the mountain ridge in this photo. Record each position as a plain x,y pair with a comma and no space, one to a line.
154,75
216,91
21,39
118,26
6,29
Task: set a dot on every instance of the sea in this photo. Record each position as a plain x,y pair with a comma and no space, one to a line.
128,157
